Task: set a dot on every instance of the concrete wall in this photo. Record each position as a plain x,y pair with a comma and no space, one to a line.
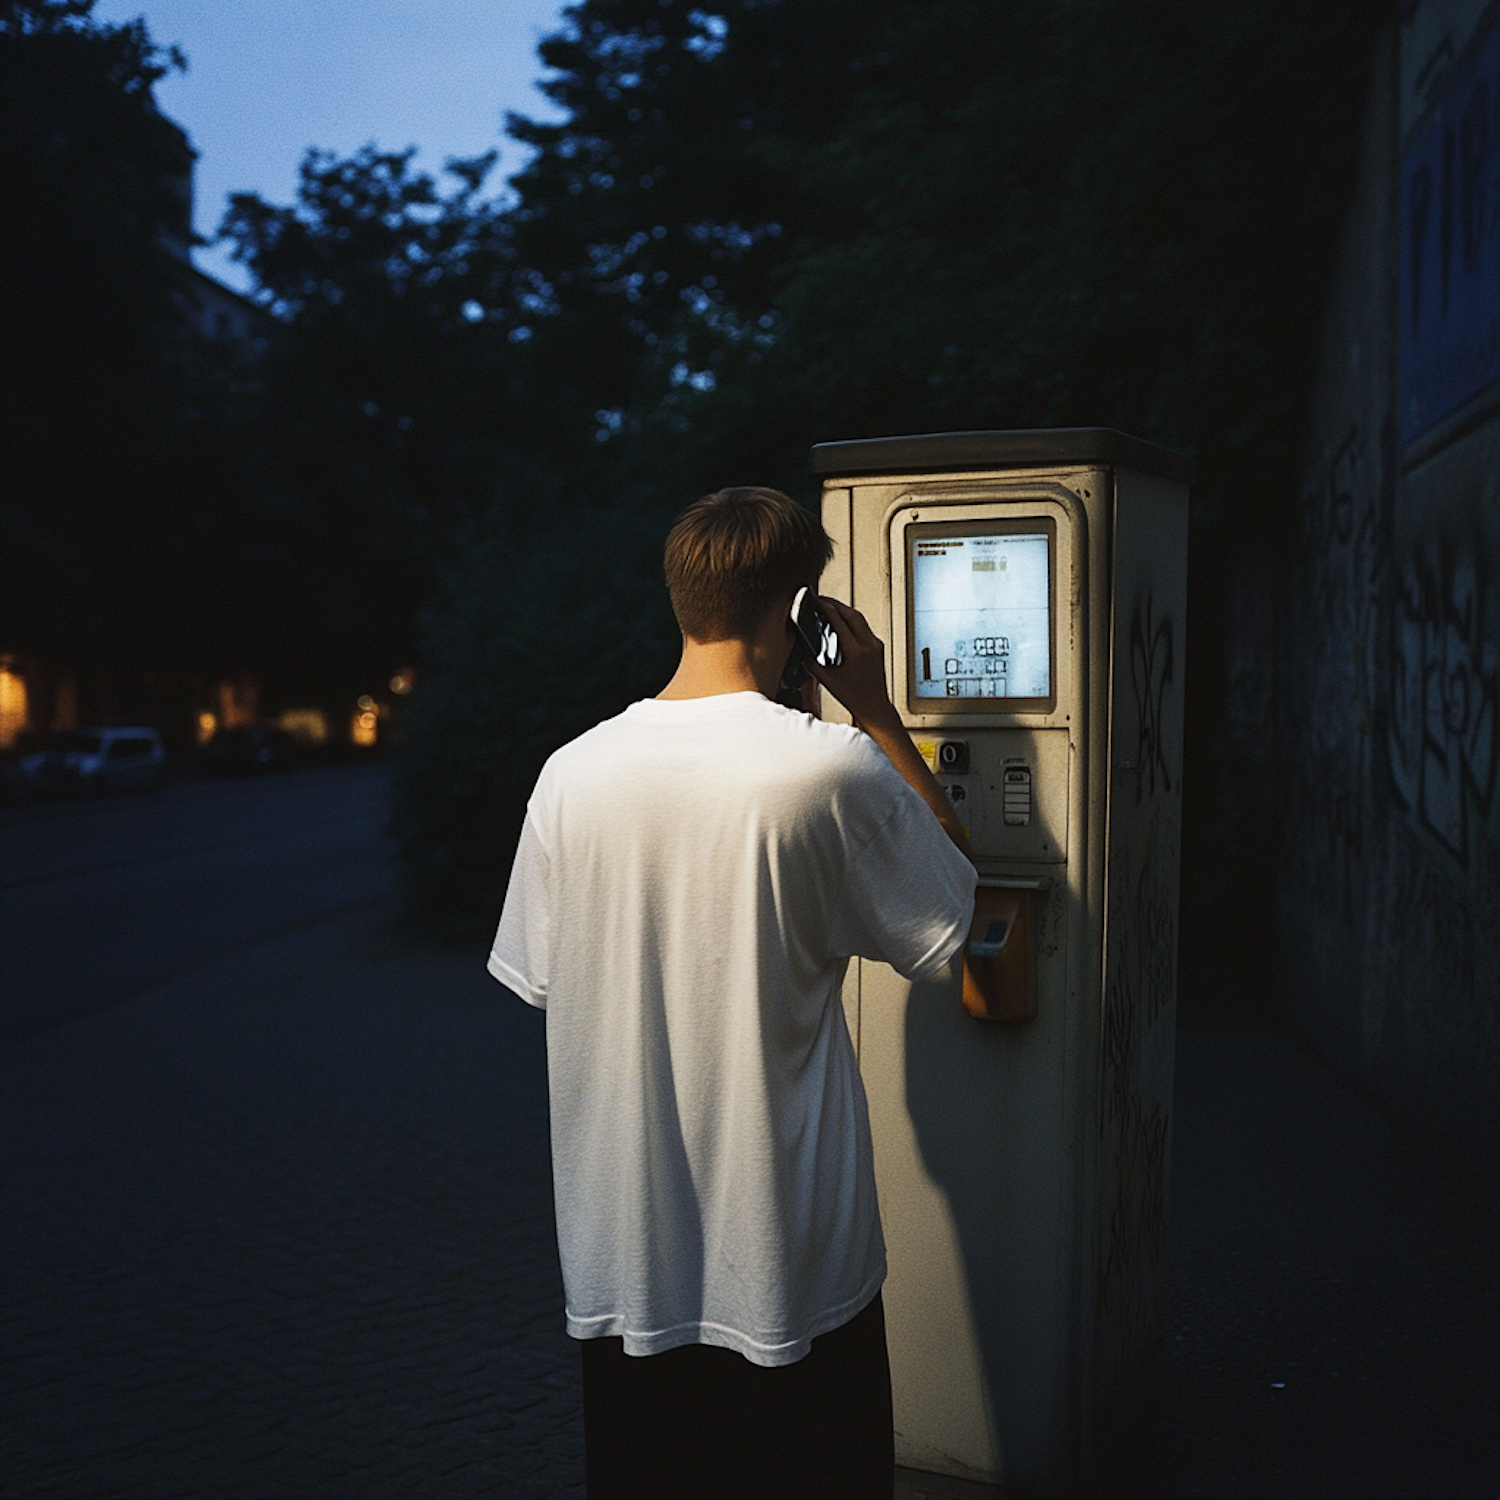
1387,649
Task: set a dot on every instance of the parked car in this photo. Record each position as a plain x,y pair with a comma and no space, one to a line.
97,760
250,749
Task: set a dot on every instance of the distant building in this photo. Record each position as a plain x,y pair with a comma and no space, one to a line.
38,696
222,314
216,311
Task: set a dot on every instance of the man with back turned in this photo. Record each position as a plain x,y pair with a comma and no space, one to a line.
692,878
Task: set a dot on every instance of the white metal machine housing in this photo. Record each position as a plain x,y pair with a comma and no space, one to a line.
1031,589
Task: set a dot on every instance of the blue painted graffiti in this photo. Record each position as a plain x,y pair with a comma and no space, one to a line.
1450,249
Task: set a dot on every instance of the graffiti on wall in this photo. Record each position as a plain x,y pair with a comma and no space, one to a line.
1348,522
1336,658
1150,675
1139,989
1388,689
1444,685
1457,941
1134,1120
1399,644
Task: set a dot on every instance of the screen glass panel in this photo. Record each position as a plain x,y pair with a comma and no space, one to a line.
981,614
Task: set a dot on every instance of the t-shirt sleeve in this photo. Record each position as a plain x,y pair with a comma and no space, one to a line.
909,895
518,958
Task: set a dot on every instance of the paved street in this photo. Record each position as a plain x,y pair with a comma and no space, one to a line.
277,1209
278,1221
103,900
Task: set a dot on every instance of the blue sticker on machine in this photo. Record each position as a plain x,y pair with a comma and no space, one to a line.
992,942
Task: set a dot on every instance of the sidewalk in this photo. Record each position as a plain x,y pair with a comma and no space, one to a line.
1333,1300
283,1227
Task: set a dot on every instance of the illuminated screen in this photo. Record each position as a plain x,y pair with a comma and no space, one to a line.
981,616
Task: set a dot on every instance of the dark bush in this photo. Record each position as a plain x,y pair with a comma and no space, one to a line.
529,647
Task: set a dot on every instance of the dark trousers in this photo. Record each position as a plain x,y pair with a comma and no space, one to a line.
705,1423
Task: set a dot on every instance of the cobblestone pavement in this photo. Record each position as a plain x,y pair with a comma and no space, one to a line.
282,1227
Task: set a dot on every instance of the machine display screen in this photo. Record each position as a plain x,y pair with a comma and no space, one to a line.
981,614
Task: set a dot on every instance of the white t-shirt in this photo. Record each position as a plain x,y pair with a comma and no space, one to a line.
691,879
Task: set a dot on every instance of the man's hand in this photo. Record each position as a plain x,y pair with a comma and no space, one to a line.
858,682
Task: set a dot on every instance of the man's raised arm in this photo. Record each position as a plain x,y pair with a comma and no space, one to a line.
858,682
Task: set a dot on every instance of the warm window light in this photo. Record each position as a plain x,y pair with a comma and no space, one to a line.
12,703
65,703
239,702
208,726
362,727
310,725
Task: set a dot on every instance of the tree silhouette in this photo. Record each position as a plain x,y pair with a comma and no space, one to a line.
93,376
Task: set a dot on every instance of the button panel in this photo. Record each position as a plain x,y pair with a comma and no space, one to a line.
1017,795
1009,788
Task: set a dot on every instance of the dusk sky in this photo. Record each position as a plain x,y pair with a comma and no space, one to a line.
268,78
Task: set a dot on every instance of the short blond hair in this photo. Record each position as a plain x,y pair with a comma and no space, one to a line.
734,554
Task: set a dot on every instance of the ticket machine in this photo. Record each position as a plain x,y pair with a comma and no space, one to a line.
1031,588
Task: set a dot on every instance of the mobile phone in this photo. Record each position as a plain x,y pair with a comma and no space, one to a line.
817,638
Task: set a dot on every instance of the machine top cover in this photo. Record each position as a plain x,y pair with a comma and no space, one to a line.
1034,447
